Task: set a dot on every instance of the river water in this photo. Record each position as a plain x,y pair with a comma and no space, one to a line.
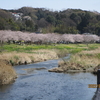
44,85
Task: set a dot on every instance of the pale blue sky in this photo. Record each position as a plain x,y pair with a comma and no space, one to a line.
92,5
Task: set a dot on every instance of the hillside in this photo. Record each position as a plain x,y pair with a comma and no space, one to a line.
43,20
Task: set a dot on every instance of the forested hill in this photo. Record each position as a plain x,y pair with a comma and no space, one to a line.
43,20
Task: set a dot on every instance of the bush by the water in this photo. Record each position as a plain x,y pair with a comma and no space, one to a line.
7,73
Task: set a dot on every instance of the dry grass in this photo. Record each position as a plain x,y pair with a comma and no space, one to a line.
85,60
7,73
21,58
96,51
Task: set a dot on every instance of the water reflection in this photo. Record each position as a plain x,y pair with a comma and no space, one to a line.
4,88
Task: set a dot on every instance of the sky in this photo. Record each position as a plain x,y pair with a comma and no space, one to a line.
55,5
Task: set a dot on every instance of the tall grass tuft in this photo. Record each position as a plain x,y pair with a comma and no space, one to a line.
7,73
85,60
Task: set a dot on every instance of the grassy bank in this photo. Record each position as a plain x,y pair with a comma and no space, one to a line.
23,54
18,58
87,59
83,57
7,73
23,48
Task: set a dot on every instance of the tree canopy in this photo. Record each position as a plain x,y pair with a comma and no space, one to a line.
73,21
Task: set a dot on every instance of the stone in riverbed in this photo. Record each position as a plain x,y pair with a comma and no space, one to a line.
56,70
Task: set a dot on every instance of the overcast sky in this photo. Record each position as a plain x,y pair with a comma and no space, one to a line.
90,5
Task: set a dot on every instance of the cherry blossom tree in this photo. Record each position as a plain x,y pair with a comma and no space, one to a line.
25,37
33,37
78,38
67,38
90,38
53,37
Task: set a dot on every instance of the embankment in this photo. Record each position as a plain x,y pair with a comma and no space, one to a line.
9,59
15,58
83,61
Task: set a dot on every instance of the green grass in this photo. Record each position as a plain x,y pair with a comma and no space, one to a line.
76,50
71,48
98,55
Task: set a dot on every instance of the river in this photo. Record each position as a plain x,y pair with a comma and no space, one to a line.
44,85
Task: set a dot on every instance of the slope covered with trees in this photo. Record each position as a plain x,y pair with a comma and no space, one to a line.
71,21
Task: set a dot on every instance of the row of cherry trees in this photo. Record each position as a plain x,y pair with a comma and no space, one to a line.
21,37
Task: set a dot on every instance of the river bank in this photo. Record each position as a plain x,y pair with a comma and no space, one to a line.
7,60
18,55
7,73
85,61
19,58
43,85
